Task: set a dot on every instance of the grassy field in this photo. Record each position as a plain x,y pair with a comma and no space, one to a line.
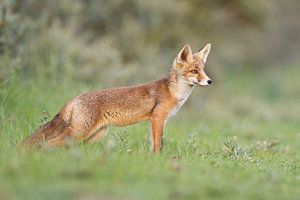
239,139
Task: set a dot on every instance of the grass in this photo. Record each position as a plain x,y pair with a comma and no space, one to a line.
240,142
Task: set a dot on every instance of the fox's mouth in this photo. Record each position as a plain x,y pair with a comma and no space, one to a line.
201,85
198,84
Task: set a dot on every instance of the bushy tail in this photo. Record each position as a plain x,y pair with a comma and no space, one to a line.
47,132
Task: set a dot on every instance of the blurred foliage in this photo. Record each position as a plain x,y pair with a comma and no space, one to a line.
51,50
109,41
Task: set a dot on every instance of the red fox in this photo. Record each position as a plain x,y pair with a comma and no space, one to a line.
87,117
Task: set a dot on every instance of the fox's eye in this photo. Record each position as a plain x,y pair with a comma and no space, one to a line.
194,71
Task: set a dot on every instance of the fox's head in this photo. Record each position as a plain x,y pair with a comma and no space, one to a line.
190,67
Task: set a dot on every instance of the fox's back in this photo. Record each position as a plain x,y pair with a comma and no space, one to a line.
120,106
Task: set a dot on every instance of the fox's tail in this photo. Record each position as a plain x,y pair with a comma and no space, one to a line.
47,131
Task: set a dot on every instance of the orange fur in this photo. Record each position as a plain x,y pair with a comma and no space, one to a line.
87,116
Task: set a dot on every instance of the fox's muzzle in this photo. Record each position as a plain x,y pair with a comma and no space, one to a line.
205,82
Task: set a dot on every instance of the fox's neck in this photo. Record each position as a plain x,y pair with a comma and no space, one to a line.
178,87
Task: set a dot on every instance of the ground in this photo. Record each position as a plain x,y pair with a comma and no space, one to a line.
241,141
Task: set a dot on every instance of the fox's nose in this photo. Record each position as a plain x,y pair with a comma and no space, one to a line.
209,82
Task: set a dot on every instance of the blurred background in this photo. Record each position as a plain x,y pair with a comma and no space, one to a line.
53,50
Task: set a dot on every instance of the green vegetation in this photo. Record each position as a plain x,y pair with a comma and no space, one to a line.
237,139
240,143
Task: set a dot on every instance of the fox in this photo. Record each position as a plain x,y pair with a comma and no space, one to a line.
87,117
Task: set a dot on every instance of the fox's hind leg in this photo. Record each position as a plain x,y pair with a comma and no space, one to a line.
70,134
61,139
82,124
97,135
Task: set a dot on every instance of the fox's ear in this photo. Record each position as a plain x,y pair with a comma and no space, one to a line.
185,54
204,52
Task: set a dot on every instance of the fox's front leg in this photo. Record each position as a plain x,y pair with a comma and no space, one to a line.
157,124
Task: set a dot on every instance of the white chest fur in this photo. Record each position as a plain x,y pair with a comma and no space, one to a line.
182,93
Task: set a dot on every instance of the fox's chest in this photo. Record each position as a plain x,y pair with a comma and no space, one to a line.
182,97
176,108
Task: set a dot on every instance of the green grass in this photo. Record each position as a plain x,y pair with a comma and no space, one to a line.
240,141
